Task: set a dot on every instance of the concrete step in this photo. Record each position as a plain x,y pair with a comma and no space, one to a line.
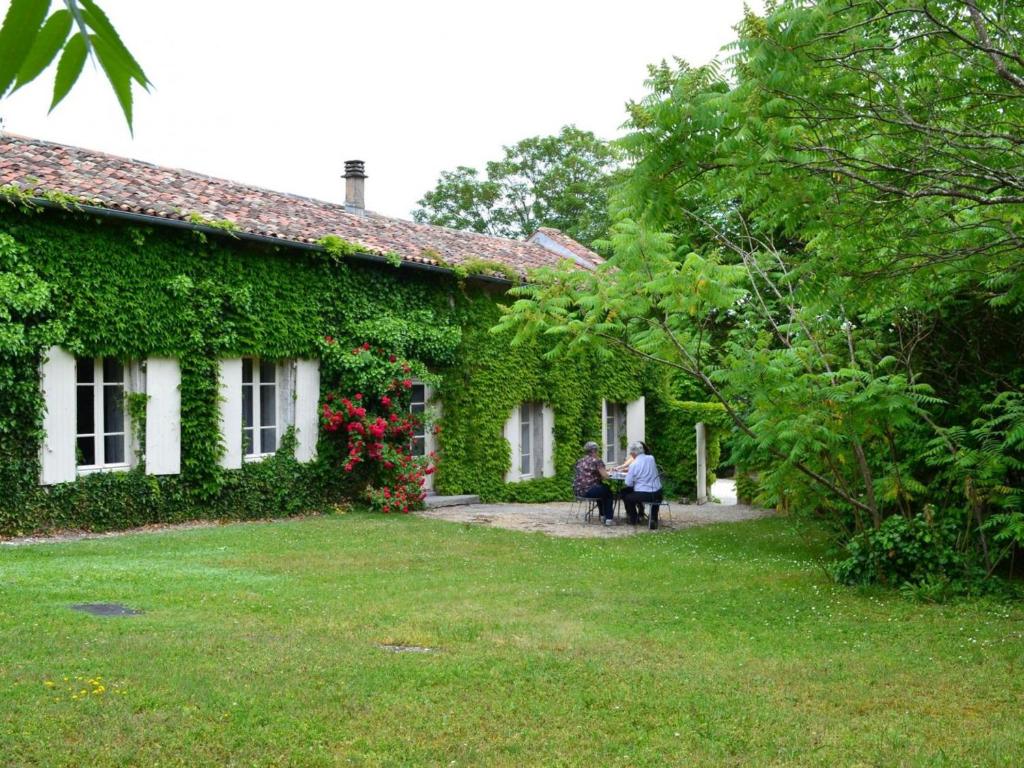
450,501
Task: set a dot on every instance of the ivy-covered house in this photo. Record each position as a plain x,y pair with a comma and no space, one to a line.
166,339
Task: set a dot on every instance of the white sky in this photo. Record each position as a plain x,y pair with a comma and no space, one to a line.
281,94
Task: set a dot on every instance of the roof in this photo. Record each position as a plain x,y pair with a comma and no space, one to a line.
120,184
558,242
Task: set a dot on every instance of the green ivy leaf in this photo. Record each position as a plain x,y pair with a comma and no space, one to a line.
17,35
69,68
48,43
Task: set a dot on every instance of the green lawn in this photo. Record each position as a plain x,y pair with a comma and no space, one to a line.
260,645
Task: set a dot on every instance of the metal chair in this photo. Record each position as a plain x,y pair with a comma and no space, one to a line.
585,504
664,510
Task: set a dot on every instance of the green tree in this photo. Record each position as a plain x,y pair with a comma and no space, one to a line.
31,38
545,181
828,241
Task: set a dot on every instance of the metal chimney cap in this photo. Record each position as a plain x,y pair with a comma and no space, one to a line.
355,169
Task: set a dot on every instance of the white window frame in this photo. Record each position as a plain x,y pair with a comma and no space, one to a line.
427,417
421,430
613,429
257,385
541,424
100,433
527,447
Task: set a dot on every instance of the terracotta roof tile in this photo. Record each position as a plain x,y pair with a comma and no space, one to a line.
119,183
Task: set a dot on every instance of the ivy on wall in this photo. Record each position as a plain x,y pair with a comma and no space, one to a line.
671,427
102,287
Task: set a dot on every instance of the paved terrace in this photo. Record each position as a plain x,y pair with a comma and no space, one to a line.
557,518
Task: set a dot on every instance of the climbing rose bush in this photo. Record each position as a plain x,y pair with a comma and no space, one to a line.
377,431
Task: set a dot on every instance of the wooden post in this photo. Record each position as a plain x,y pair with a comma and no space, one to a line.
702,464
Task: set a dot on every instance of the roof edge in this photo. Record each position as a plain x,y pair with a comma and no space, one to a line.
143,218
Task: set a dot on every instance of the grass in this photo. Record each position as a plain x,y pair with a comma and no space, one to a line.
260,645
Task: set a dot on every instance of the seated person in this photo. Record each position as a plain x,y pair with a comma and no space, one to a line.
630,459
590,471
644,483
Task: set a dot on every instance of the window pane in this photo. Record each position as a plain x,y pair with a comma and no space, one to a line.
247,446
268,440
113,408
113,370
85,417
247,405
268,405
86,451
419,446
246,370
84,367
113,449
417,407
418,395
268,372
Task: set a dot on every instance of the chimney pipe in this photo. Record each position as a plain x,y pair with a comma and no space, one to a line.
355,175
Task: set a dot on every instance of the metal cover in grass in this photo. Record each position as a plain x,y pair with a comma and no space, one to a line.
105,609
399,648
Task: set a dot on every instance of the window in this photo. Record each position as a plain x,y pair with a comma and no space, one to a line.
528,423
259,407
614,433
418,408
530,431
101,431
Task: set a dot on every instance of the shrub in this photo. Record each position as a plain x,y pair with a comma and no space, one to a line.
904,550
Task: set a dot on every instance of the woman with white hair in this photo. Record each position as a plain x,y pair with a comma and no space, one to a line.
645,482
590,472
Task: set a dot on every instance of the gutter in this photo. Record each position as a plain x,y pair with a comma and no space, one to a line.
160,221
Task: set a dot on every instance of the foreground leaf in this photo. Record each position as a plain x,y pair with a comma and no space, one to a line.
48,43
18,33
69,68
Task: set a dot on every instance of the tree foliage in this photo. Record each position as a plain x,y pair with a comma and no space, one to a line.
31,38
545,181
827,238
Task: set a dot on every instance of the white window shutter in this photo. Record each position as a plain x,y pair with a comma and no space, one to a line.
512,435
548,447
285,396
435,411
231,412
57,451
135,381
602,440
307,403
429,438
163,416
635,421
